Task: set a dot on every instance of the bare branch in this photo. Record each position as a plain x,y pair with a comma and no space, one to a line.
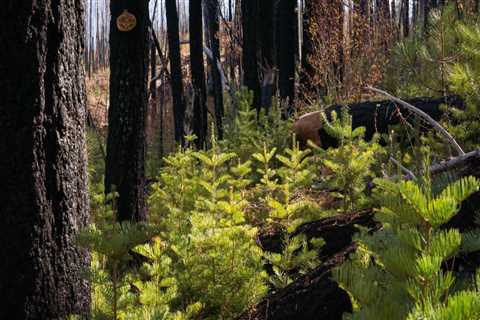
448,137
409,173
455,162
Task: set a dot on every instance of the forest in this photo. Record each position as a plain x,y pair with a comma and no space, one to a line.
240,159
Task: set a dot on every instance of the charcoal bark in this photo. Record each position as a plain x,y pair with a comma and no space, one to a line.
198,73
314,295
175,69
129,61
43,198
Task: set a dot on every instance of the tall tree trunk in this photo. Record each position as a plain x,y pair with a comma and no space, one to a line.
212,11
125,164
426,13
198,72
406,18
44,199
286,41
267,46
250,49
175,69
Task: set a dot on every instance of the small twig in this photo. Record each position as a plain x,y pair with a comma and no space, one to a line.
448,137
409,173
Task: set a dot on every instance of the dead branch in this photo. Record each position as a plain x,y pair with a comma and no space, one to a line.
473,156
447,136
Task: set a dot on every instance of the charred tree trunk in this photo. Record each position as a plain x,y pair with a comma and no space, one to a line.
198,73
406,18
250,49
175,69
44,199
268,56
212,12
426,14
125,164
286,40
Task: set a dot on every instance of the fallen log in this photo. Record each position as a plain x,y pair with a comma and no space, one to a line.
312,296
315,295
462,166
375,116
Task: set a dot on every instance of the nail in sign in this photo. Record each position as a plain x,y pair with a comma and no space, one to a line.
126,21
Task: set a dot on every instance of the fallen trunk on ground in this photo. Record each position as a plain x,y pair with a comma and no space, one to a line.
375,116
462,166
315,295
312,296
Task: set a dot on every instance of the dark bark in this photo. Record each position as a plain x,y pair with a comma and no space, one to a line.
426,14
125,164
44,200
267,47
406,17
198,73
251,78
212,10
175,69
286,48
375,116
314,295
267,32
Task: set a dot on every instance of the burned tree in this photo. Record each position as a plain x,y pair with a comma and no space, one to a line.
125,163
286,48
175,68
44,198
212,10
250,49
198,72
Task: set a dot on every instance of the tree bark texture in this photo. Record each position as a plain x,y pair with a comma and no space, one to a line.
212,11
198,73
175,69
286,48
251,78
43,198
125,164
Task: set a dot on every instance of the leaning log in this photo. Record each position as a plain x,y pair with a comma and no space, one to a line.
375,116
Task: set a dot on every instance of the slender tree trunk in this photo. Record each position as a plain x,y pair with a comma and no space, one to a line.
212,11
268,54
406,18
198,73
125,164
44,200
426,14
286,40
250,49
175,69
